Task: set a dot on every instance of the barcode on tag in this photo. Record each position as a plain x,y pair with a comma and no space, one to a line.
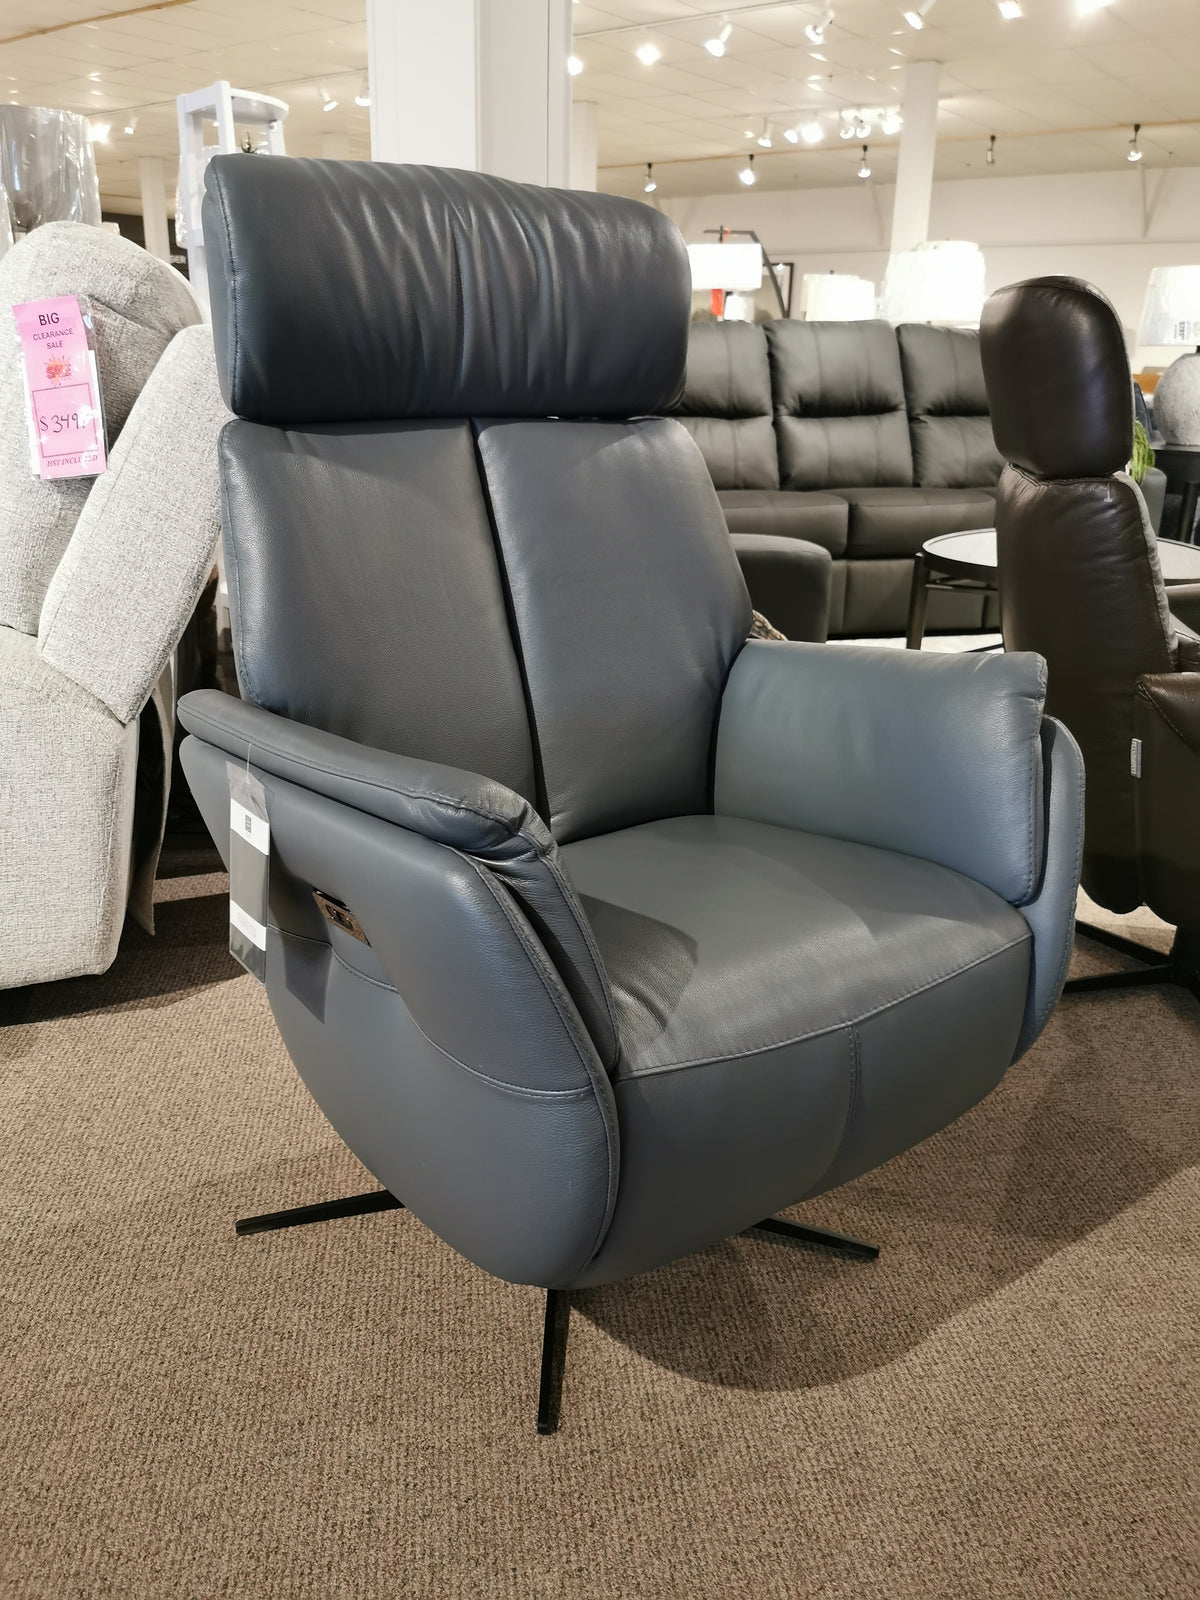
255,830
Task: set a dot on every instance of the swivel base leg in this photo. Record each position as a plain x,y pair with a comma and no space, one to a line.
354,1205
844,1243
554,1359
1181,967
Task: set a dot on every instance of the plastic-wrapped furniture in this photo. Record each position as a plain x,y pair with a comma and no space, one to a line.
98,577
598,933
1080,583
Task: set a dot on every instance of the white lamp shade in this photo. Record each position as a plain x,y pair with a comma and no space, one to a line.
836,297
941,282
726,266
1171,312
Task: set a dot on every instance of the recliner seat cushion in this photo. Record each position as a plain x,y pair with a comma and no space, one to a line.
949,425
897,522
786,1003
839,404
795,514
726,404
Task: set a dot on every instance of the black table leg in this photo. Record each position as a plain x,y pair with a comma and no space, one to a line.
918,602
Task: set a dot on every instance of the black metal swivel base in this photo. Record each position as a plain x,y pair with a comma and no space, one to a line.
558,1303
558,1310
1181,967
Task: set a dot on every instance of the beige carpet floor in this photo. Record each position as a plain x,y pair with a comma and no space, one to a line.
1004,1405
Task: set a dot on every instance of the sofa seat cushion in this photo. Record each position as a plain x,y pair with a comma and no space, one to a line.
792,1010
820,518
897,522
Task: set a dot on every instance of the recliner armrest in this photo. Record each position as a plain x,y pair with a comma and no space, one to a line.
936,756
444,804
1166,721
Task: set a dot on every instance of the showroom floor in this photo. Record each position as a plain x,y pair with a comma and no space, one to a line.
1003,1405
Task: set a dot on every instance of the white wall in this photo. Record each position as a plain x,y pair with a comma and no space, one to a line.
1107,227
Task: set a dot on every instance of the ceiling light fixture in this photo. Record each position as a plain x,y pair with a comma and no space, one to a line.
131,125
649,186
864,171
847,128
648,54
574,66
363,97
764,138
916,19
812,132
815,31
891,123
1135,153
862,128
98,132
791,135
716,45
328,103
748,174
1010,10
991,155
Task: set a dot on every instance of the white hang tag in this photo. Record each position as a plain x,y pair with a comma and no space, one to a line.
249,863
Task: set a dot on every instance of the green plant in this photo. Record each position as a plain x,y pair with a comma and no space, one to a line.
1142,458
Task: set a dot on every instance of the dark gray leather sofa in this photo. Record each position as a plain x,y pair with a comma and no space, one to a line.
860,438
661,930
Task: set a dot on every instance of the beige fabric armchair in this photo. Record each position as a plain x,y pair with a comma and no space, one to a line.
98,578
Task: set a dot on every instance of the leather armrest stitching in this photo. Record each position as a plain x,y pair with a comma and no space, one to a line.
612,1129
526,1091
1150,700
819,1033
253,744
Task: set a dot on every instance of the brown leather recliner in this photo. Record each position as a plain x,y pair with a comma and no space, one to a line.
1080,584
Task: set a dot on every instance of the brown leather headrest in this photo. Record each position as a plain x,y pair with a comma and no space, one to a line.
1058,381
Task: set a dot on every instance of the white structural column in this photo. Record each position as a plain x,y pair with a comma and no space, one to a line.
152,176
918,145
481,84
583,145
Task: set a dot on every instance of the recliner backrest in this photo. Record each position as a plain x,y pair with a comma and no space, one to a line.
948,421
727,407
446,536
1079,575
839,405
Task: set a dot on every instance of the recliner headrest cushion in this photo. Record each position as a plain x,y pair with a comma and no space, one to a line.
1058,381
354,291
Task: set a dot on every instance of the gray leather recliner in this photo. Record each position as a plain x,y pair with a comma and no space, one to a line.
662,931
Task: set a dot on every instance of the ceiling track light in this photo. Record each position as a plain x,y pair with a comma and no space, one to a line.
846,130
328,103
890,123
98,132
764,140
1010,10
363,97
991,153
1135,153
574,66
916,17
648,53
650,185
815,31
812,132
748,175
865,170
862,128
131,125
716,45
792,135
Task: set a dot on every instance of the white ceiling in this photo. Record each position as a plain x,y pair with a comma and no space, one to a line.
1060,91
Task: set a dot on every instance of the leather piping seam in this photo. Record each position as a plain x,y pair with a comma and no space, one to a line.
1145,694
607,1115
525,1091
513,830
851,1105
585,933
834,1027
1069,942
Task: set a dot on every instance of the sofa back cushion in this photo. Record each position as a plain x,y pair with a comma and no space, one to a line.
951,432
726,405
839,405
138,304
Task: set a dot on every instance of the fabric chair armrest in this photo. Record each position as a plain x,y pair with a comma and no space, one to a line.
790,582
445,805
1166,721
936,756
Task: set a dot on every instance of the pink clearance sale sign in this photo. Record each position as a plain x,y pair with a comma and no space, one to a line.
62,388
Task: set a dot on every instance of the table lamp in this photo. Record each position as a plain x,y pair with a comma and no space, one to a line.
940,282
1171,316
722,267
836,297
